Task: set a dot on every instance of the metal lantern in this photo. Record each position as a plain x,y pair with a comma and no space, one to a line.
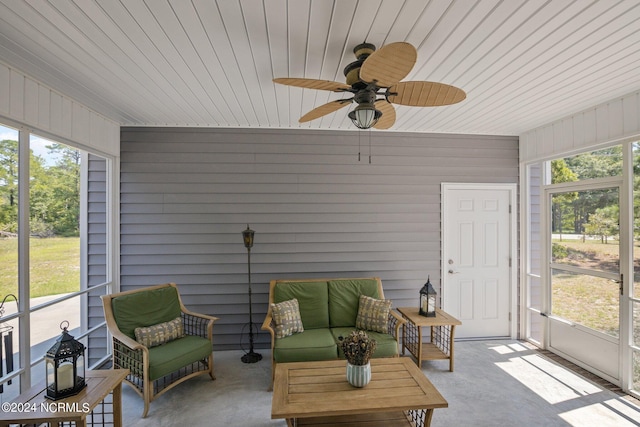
65,366
247,236
428,300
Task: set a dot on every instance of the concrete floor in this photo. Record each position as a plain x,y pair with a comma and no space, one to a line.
495,383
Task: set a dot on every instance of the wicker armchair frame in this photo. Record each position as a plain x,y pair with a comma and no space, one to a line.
129,354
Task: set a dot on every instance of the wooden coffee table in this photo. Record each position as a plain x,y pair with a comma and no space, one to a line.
318,394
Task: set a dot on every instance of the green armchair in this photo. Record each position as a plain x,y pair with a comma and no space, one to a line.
149,340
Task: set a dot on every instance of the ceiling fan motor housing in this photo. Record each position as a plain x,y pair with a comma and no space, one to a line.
352,71
363,50
365,96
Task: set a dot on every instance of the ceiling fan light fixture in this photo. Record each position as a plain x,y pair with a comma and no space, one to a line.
365,115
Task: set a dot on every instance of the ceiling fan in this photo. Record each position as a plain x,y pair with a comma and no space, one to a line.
374,80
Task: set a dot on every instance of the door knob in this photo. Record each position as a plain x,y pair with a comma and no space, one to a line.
453,272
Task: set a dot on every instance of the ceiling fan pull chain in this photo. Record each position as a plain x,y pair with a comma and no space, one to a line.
369,146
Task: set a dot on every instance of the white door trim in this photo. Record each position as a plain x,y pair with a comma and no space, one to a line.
513,240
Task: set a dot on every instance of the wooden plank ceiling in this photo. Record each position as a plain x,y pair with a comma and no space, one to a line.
522,63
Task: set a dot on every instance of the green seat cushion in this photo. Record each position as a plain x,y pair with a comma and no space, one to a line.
170,357
313,300
344,297
312,344
146,308
386,345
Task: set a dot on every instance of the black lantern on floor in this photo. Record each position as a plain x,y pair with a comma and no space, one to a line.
65,366
428,300
251,356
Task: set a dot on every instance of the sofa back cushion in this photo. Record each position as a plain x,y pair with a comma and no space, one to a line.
313,300
344,298
145,308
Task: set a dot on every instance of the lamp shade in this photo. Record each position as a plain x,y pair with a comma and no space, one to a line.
247,236
365,115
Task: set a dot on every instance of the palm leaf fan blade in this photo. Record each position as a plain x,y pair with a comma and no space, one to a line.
390,64
388,114
312,84
425,94
324,109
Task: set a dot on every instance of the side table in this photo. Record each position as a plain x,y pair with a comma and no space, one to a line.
442,334
31,407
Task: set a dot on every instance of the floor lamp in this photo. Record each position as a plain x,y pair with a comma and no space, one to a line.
251,356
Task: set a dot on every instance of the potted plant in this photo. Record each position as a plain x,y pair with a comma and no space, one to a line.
358,349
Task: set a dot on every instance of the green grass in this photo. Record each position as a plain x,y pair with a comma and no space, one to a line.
594,302
54,266
588,300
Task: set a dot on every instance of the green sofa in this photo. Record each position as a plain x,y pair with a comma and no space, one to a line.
328,310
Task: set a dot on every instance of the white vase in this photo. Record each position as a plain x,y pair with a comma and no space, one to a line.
358,375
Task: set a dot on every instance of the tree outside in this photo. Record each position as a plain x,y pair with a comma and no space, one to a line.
573,212
585,227
53,219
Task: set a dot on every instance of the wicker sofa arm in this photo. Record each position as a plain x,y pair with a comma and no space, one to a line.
197,324
269,325
395,323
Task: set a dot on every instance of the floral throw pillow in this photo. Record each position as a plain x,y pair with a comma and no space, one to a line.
151,336
286,315
373,314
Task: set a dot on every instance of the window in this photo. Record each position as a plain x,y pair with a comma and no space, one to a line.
596,164
66,252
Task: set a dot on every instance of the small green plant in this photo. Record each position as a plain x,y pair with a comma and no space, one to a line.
559,251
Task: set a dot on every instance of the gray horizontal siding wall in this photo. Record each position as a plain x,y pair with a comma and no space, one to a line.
187,194
96,254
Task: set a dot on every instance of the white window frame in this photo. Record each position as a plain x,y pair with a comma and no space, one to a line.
25,363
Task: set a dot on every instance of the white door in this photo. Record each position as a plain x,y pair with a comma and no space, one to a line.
585,281
478,261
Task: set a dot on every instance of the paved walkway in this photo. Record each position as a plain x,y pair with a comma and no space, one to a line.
45,323
45,329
